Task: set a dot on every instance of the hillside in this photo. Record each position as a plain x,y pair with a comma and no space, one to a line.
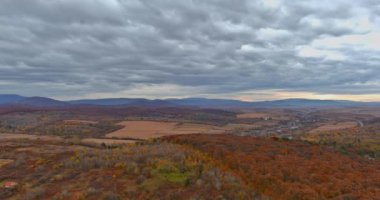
40,102
184,167
154,170
283,169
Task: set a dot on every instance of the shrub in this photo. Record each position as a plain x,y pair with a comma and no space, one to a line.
36,193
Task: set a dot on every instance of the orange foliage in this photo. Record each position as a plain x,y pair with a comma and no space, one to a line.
291,169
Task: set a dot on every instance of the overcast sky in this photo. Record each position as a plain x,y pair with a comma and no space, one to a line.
248,50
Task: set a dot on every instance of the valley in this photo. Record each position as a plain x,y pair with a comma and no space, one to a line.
152,152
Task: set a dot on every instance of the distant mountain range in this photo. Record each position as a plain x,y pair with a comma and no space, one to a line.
9,98
14,100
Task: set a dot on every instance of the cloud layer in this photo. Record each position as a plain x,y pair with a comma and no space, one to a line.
166,48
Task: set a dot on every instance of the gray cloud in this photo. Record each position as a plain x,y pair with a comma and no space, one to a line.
78,48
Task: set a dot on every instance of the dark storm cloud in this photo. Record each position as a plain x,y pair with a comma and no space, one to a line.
76,48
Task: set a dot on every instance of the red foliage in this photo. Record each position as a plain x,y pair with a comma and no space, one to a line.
291,169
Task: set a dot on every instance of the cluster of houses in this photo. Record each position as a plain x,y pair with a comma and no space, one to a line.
285,127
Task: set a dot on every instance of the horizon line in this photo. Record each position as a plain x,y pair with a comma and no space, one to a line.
195,97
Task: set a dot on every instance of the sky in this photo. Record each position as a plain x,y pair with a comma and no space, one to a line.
240,49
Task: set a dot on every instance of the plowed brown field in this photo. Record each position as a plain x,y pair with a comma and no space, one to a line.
153,129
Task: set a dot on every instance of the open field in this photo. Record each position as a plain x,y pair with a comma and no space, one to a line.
76,122
254,115
105,141
360,111
5,136
154,129
336,126
85,141
50,148
267,114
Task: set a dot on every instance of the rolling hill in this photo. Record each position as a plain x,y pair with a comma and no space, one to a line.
40,102
9,98
186,102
